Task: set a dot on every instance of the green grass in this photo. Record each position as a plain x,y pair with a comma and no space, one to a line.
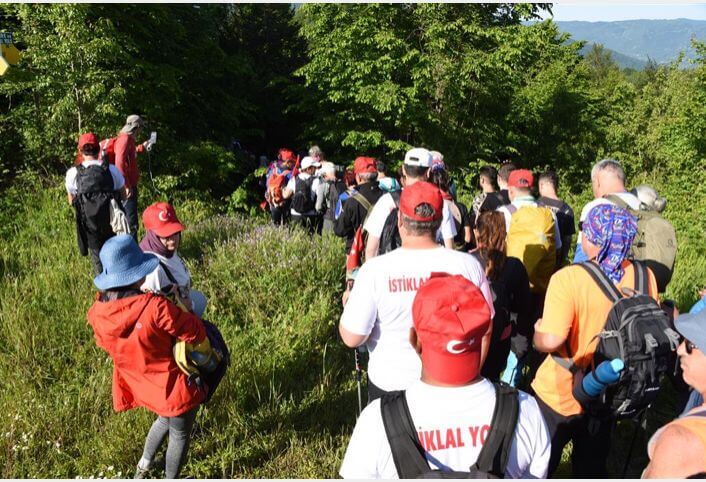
288,403
286,407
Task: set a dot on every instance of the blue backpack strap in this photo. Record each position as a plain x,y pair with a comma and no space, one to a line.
407,452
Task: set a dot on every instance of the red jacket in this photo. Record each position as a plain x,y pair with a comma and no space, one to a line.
126,158
138,332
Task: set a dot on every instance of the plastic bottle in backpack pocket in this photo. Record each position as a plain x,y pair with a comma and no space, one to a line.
594,383
206,362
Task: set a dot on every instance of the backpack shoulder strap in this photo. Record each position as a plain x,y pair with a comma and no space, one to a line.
169,274
603,282
511,208
363,202
641,277
407,452
618,201
496,450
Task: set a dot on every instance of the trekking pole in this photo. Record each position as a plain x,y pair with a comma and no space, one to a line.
359,379
632,442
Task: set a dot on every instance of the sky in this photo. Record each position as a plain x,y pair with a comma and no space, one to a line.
613,11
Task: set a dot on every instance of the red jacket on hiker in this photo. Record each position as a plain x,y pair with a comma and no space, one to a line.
126,158
138,332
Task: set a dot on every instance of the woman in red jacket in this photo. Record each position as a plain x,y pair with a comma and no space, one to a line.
138,330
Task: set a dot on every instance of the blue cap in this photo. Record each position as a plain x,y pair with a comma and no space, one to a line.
124,263
692,326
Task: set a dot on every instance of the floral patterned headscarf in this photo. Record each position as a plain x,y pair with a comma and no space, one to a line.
613,229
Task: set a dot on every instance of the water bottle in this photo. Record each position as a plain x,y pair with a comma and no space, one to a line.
605,374
207,363
513,370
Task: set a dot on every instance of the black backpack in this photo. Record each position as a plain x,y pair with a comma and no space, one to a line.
638,332
302,201
390,236
409,455
93,198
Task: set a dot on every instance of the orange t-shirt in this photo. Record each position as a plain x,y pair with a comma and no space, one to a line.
575,308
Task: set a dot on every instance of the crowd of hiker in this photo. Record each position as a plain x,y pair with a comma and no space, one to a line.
488,348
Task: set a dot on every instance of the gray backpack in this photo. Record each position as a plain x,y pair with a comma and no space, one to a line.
655,242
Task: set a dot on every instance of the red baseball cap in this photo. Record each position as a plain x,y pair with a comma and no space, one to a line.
286,154
89,138
419,193
161,218
450,316
520,178
364,164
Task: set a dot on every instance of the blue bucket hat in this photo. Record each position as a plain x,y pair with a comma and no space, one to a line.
692,326
124,263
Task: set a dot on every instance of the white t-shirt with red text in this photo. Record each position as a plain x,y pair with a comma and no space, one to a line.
380,306
452,425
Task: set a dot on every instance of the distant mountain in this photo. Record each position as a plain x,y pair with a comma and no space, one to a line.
624,61
640,40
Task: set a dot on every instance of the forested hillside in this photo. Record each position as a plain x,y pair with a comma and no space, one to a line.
225,83
658,40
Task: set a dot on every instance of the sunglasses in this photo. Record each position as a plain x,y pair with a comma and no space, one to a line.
690,347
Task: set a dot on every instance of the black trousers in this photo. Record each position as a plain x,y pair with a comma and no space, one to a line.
310,223
130,207
280,214
591,442
96,260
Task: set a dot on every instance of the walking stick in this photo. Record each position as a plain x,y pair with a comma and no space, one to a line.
359,379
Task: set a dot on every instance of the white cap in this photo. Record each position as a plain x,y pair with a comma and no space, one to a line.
307,162
418,157
327,167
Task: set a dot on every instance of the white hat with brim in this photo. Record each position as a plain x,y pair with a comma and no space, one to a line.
418,157
308,162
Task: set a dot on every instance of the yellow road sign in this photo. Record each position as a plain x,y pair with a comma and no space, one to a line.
11,54
3,66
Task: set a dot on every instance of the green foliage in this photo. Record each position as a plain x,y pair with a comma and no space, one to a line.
464,79
203,73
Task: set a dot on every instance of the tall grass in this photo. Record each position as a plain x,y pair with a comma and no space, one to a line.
286,407
288,403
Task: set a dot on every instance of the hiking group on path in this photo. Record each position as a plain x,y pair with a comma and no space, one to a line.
488,352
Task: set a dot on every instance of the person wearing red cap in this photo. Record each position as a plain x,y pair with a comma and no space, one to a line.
415,168
97,180
378,312
357,207
451,406
533,237
278,175
171,276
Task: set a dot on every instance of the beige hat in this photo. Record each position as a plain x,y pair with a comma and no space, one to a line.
132,123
